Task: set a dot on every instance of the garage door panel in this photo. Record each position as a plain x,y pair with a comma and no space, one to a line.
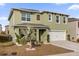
59,35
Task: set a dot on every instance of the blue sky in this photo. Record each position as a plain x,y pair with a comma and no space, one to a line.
71,9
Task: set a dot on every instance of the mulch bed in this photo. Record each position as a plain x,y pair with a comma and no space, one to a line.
45,49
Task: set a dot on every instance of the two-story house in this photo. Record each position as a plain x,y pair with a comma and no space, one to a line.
73,24
46,25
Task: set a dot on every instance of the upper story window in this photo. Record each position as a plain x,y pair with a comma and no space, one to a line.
65,20
38,17
26,16
50,17
57,19
78,24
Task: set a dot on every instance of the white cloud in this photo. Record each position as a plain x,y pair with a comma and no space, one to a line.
74,7
3,18
2,4
76,16
60,3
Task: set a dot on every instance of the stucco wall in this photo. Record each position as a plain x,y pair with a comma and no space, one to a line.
72,30
77,30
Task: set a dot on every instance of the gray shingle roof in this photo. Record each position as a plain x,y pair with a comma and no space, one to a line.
24,9
73,19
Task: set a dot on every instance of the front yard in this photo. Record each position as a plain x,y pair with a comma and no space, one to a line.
44,49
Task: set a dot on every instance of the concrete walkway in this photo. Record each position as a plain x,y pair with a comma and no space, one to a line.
67,45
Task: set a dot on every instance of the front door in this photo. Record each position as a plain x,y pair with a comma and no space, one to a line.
41,31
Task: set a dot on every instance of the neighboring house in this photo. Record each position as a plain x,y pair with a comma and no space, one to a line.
7,29
45,24
73,24
0,28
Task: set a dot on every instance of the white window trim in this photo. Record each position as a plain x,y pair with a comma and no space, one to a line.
59,20
26,18
66,19
51,18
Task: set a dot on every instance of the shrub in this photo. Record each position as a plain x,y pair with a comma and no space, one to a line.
4,54
78,40
23,41
18,38
48,39
14,53
5,38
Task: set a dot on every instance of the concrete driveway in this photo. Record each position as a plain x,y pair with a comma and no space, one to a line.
67,44
68,54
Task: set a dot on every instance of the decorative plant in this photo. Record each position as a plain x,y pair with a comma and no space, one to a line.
18,38
23,40
31,37
78,40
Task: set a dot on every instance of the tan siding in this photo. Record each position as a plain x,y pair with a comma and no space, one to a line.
15,19
72,30
77,30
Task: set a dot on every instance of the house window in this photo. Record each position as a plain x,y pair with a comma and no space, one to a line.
78,24
64,20
50,17
23,16
57,19
26,16
38,17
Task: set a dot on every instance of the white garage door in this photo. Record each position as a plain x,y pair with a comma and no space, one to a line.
57,35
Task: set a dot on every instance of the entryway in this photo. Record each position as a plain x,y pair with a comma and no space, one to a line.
41,32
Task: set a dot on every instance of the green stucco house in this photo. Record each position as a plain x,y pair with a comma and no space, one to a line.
46,26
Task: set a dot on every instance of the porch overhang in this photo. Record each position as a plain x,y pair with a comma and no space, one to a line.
31,25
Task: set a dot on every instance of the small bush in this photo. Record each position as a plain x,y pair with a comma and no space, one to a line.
14,53
4,54
48,38
5,38
78,40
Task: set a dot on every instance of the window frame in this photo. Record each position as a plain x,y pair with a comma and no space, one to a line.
26,16
57,19
50,17
23,15
38,18
65,18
